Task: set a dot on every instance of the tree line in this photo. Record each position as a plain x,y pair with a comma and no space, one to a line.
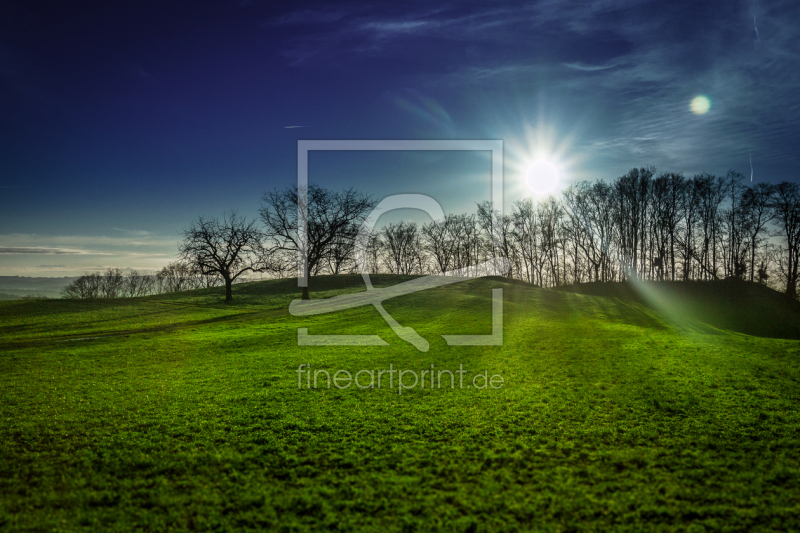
115,283
643,225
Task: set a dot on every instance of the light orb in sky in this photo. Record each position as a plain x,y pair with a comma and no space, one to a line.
700,105
542,176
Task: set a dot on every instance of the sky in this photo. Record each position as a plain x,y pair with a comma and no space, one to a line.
121,122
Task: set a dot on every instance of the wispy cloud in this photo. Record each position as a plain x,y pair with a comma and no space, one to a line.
133,238
308,17
403,27
361,32
130,232
587,68
56,251
641,95
135,249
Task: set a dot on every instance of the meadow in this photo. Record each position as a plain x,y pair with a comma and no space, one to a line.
178,412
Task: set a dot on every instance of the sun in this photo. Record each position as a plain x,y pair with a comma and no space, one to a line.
542,176
541,160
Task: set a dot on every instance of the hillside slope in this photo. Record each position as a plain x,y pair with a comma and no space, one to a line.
179,412
738,306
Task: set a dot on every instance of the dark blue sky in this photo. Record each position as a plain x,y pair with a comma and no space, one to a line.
123,121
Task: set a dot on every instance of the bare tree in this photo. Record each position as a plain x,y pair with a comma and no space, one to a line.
438,243
112,284
86,287
757,212
736,253
175,277
639,226
227,248
137,284
402,246
588,206
328,217
340,257
632,199
498,240
787,208
527,240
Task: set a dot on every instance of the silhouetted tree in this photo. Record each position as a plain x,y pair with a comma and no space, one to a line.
327,215
735,254
439,244
340,255
757,212
787,209
402,247
227,248
112,284
86,287
174,277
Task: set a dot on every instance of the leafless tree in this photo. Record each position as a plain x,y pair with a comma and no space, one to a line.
340,257
787,209
86,287
137,284
402,246
112,284
757,212
327,216
227,248
735,254
174,277
439,244
639,225
498,238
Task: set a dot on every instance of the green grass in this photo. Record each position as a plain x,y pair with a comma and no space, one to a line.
179,412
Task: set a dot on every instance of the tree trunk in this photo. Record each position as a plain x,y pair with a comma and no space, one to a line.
228,290
308,268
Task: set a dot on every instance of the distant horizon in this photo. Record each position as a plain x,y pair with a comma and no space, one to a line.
158,250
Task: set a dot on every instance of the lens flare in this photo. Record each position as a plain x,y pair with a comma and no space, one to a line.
700,105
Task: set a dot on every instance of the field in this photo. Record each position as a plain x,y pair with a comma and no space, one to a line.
178,412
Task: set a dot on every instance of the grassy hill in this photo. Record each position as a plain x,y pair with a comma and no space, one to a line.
733,305
178,412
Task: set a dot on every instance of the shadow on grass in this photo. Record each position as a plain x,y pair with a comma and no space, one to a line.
737,306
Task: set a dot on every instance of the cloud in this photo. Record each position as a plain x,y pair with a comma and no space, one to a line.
359,32
131,238
423,109
646,62
404,27
137,233
753,94
129,248
308,17
56,251
587,68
